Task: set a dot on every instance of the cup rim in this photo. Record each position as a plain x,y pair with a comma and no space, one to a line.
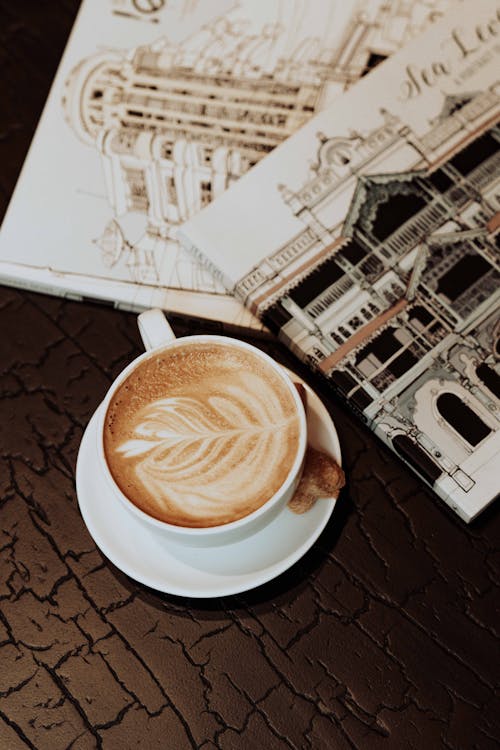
204,531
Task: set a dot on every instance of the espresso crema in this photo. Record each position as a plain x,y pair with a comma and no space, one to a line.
201,434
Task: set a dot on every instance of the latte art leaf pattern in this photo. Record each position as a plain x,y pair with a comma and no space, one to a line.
202,456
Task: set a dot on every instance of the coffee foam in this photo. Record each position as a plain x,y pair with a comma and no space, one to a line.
201,434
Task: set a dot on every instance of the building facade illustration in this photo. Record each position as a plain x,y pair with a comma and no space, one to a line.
378,30
391,290
176,124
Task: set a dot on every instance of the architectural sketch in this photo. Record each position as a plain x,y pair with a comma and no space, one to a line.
166,103
176,124
395,301
377,30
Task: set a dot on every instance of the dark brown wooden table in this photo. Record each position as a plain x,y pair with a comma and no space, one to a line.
382,636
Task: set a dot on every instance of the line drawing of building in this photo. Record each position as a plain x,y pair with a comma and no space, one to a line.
391,290
376,31
176,124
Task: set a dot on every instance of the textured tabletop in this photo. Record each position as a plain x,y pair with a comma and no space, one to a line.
382,636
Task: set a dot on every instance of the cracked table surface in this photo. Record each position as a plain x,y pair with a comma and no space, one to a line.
383,636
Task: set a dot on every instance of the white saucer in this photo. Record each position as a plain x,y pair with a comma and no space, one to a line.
147,556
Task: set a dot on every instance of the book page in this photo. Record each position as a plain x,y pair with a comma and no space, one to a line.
369,241
156,109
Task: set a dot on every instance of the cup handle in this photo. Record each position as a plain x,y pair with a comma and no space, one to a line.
154,329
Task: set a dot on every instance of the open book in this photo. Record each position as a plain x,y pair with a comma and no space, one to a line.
369,242
155,110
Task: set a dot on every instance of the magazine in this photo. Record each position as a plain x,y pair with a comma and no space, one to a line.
369,242
156,108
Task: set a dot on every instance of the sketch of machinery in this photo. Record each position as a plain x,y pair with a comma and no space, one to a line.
176,124
391,289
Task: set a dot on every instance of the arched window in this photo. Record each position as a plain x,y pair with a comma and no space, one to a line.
462,418
394,212
490,378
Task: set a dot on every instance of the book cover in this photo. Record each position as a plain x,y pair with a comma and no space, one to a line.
369,242
155,110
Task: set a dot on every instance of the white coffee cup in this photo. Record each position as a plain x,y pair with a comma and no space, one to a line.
157,337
